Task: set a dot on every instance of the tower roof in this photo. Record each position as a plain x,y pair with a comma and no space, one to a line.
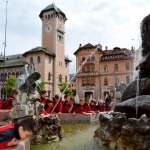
39,49
53,7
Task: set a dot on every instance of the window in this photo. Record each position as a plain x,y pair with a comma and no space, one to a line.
92,68
31,60
2,76
127,79
88,81
49,59
127,66
17,74
93,58
66,78
83,59
38,59
66,64
49,93
88,59
9,74
105,68
116,68
83,69
13,73
117,81
60,63
60,78
60,37
49,76
105,81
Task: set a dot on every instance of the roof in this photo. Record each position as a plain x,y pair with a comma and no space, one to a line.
86,46
13,61
116,54
67,59
39,49
53,7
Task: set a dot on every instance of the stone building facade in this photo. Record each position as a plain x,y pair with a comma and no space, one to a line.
49,59
102,71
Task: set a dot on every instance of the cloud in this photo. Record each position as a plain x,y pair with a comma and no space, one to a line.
112,23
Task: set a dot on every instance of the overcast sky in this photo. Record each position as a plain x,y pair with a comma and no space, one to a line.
109,22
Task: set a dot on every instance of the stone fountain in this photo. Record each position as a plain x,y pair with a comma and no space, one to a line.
127,127
47,127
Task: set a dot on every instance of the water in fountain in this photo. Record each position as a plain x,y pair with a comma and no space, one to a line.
137,94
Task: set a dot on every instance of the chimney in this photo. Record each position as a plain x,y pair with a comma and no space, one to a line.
99,47
80,45
106,48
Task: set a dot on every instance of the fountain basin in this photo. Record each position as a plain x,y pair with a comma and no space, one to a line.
139,104
122,132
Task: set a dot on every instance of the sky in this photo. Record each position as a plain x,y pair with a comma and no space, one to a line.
108,22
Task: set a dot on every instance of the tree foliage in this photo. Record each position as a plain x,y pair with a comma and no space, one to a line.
10,84
67,89
41,86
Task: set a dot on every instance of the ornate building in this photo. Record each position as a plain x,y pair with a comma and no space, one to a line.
101,71
48,59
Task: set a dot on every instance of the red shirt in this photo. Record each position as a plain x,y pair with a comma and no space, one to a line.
7,133
49,109
66,107
58,107
83,108
1,104
8,103
43,100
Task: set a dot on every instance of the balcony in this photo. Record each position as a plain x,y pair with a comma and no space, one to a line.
87,73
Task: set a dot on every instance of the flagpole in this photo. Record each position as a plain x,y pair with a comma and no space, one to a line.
5,44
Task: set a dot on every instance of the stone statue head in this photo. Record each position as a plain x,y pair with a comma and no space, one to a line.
145,35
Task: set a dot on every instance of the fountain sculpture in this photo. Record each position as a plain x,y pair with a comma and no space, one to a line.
128,126
28,105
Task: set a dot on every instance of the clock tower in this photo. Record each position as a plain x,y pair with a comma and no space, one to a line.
53,31
53,21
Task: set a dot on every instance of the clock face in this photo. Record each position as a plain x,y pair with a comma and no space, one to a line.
48,28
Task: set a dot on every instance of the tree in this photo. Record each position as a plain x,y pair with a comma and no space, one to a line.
41,86
67,89
10,84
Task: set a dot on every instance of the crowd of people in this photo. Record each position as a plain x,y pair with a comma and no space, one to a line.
57,105
15,133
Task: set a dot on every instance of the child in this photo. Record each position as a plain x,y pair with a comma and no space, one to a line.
11,100
82,107
57,105
49,106
43,95
12,133
66,105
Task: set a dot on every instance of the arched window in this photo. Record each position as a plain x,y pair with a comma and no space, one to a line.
105,68
13,73
38,59
31,60
49,76
2,76
127,79
5,77
127,66
105,81
9,74
17,74
116,68
93,58
60,78
66,78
